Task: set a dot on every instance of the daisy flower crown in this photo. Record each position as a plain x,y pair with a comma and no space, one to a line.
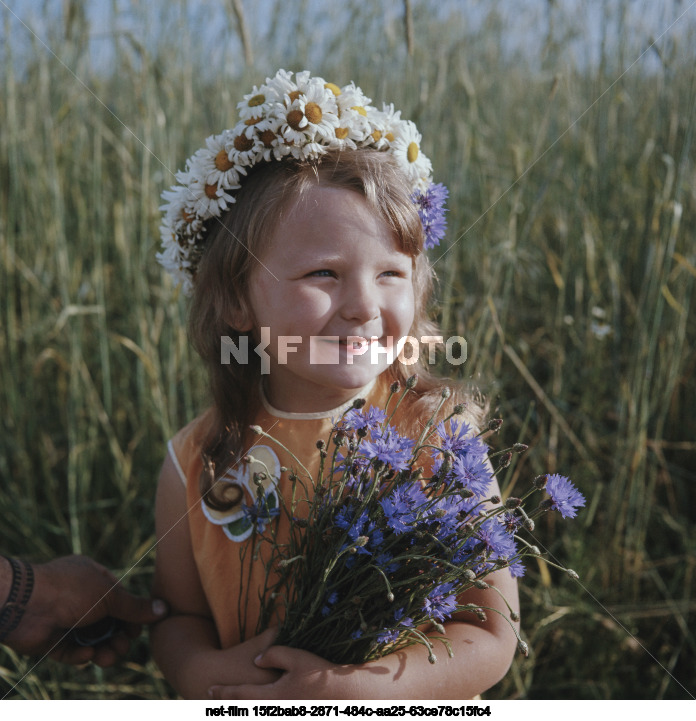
298,118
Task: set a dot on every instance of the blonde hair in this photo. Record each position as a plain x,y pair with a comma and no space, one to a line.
268,194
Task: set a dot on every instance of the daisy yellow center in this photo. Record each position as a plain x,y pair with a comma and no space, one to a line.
259,99
412,152
252,121
313,113
376,135
390,137
211,191
342,133
294,95
222,162
188,217
295,118
242,143
360,109
267,137
333,88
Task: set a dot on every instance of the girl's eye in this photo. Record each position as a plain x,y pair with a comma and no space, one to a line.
393,273
323,273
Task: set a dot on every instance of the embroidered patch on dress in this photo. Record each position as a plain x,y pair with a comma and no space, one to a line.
251,511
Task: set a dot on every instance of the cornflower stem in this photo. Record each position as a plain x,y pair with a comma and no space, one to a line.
419,447
398,403
502,615
263,433
429,426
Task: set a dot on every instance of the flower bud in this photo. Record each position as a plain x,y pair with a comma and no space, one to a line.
411,382
458,409
514,616
481,584
360,541
321,444
540,481
390,597
481,614
528,524
256,429
523,648
520,447
358,403
395,387
494,424
512,503
505,459
432,658
495,500
446,392
534,550
469,575
572,574
439,628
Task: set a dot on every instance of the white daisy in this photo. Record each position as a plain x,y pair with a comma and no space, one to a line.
406,149
208,200
392,122
213,164
311,116
274,146
281,84
243,145
352,97
307,151
257,103
355,121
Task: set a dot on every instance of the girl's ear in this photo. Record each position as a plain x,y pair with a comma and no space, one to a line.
239,317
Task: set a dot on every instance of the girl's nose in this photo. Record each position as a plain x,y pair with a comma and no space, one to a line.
360,303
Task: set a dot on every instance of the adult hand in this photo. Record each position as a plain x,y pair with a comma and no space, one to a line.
75,592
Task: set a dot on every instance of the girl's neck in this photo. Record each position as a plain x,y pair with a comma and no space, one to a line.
328,407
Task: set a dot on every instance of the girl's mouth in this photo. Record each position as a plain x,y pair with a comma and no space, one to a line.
357,345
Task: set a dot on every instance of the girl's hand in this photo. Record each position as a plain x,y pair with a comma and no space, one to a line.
303,676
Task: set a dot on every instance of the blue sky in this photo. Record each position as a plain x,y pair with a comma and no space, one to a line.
524,22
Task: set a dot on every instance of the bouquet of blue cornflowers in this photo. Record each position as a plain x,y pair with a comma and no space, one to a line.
381,551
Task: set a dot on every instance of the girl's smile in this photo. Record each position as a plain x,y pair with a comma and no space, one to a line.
337,295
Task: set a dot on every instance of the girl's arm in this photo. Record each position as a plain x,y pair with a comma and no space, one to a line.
186,645
483,652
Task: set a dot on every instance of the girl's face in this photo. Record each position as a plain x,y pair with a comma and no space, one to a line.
336,294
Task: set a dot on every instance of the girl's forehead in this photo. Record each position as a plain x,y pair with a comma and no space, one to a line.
327,220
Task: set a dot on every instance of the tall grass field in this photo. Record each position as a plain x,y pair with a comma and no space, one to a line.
565,134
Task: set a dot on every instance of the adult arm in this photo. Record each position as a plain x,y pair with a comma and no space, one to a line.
72,593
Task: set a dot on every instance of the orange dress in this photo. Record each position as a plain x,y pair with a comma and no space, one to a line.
220,541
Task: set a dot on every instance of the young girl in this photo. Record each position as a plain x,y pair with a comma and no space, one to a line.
301,234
